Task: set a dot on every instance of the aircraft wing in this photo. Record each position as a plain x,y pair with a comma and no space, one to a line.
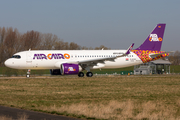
101,60
93,62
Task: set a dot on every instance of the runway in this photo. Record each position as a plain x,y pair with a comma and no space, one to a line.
16,113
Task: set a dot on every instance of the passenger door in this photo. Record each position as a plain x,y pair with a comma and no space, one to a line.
28,57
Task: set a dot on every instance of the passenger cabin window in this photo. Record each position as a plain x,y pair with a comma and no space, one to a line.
16,56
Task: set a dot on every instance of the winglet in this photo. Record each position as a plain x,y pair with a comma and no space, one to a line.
129,49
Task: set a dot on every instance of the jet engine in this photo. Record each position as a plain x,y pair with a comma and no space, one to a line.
68,69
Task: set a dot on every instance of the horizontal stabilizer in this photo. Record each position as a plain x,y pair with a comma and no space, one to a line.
155,55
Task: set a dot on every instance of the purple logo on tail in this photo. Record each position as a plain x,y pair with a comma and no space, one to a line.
154,37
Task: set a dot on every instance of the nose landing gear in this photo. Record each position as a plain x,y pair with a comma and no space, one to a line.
28,73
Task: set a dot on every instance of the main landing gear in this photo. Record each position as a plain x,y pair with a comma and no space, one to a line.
88,74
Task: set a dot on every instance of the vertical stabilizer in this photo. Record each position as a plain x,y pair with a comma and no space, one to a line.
154,40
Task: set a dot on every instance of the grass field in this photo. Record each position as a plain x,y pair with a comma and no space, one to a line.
120,97
9,72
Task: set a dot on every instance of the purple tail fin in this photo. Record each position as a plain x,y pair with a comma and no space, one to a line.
154,40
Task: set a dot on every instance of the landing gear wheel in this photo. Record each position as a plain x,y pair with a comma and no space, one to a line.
27,76
89,74
81,74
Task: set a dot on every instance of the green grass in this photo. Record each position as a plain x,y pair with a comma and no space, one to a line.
10,72
128,97
175,68
125,70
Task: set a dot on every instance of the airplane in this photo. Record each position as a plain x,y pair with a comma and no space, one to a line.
69,62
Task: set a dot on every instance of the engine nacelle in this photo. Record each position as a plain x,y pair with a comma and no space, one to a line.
55,71
69,69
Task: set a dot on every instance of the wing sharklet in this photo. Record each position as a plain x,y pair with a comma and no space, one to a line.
127,51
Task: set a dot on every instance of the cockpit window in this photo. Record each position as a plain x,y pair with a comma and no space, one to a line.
16,56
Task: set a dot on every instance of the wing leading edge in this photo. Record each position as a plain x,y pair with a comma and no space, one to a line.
92,62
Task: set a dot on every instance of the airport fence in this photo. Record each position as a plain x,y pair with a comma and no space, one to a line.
114,72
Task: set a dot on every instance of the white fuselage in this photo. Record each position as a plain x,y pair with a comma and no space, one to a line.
52,59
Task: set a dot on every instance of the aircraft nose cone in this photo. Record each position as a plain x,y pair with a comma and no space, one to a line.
7,63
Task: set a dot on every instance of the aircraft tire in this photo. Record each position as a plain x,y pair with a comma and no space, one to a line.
81,74
27,75
89,74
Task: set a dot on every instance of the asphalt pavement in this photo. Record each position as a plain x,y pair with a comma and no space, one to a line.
16,113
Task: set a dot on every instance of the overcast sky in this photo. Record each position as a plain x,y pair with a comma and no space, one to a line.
91,23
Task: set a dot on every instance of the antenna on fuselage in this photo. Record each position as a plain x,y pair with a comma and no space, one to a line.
29,49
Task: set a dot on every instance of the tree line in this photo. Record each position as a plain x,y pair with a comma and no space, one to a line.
12,41
174,58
